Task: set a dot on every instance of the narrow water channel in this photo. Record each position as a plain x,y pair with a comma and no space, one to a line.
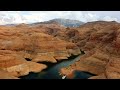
52,72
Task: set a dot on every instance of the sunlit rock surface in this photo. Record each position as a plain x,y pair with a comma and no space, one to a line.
100,42
22,46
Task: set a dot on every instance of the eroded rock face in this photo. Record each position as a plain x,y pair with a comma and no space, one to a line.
100,41
50,43
22,42
15,64
6,75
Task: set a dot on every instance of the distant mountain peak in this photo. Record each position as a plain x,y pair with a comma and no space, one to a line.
68,22
63,22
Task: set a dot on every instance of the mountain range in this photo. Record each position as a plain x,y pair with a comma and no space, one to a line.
64,22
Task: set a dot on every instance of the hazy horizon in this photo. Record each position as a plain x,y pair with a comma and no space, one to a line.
16,17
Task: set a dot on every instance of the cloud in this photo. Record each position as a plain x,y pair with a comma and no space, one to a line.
47,15
108,18
91,17
12,17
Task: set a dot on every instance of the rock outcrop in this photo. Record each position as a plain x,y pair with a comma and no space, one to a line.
23,46
100,42
6,75
13,63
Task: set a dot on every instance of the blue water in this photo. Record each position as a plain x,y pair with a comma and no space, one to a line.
53,71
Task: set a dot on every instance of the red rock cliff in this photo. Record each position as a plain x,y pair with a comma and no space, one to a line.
100,41
22,42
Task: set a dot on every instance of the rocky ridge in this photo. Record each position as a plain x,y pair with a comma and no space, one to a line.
100,42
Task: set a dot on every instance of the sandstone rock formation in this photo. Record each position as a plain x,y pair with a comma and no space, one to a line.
13,63
6,75
22,46
100,41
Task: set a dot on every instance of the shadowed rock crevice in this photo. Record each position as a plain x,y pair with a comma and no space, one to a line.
89,73
28,59
2,49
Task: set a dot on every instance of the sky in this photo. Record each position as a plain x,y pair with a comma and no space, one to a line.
16,17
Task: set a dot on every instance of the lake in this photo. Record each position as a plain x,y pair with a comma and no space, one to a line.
52,72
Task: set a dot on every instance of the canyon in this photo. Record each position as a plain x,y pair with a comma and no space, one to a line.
100,42
24,47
